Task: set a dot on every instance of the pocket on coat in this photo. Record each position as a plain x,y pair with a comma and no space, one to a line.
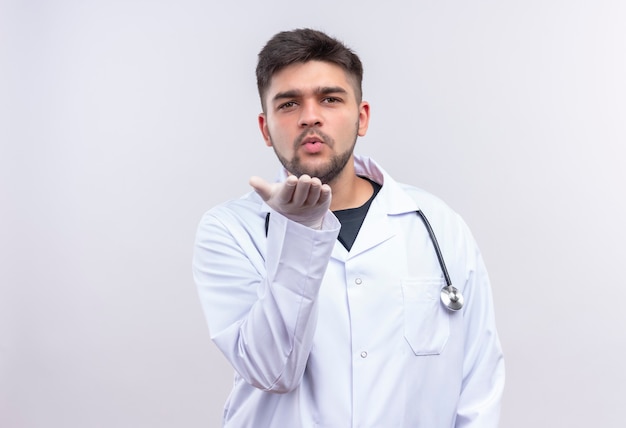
426,321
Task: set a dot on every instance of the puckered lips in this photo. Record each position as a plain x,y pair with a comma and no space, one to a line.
312,144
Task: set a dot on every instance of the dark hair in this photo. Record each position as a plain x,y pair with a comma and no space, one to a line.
302,45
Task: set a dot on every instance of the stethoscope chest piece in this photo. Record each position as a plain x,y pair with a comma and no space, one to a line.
451,298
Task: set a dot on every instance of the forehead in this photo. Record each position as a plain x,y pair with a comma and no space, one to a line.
309,76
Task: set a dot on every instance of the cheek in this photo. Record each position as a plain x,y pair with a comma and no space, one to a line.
277,131
350,123
278,138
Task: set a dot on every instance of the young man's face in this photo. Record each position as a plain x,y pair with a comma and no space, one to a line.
312,119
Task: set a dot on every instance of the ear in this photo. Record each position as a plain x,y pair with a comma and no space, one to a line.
364,118
264,130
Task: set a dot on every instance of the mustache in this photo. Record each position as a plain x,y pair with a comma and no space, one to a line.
309,132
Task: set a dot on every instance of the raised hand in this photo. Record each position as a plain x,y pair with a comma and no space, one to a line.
304,200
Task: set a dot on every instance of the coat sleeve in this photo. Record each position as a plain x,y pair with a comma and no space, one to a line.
259,295
483,365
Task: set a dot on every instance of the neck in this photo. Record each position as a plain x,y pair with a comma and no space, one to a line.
349,190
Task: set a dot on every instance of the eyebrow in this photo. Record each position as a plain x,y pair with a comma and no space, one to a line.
324,90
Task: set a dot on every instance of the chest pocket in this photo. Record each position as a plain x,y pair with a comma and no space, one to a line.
426,321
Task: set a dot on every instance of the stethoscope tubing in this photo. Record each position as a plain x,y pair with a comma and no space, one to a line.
433,238
450,297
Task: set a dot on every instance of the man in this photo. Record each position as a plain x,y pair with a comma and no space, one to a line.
322,289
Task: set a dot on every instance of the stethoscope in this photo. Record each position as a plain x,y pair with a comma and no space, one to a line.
450,296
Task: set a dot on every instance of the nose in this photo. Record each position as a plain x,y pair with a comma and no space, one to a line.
310,115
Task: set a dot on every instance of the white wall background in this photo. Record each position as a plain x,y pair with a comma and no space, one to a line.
121,122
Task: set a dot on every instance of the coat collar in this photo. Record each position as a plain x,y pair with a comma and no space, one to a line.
392,196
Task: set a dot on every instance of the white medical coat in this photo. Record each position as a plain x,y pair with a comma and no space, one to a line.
322,337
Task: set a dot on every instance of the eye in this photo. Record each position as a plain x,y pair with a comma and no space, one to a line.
331,100
286,106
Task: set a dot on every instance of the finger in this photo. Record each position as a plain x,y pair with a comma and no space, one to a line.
302,190
285,191
314,192
262,187
326,195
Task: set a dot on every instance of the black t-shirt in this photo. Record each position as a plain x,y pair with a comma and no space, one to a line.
352,219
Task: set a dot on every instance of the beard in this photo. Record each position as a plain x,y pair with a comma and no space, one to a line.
326,172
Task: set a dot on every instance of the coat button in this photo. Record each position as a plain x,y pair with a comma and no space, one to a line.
358,281
363,354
